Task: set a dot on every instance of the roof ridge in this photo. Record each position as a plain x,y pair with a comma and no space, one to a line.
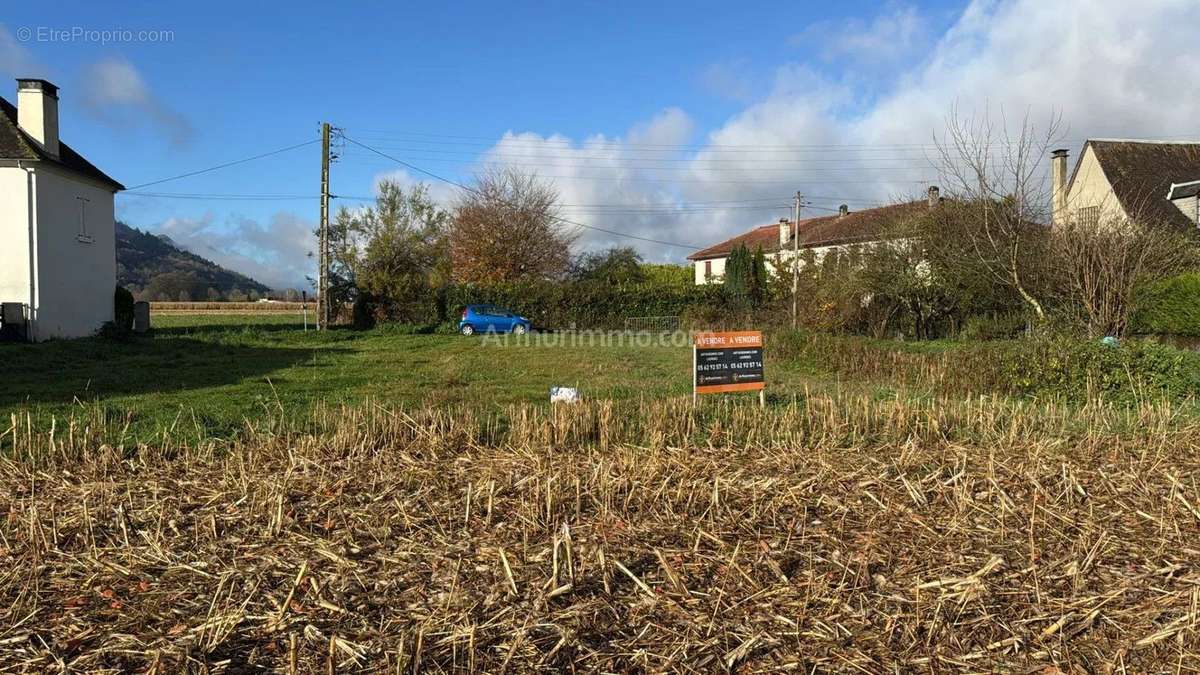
760,235
1144,141
15,141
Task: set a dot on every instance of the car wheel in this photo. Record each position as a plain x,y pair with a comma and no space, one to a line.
519,329
467,329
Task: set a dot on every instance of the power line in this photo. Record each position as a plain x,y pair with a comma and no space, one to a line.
509,139
688,165
704,181
225,165
220,196
385,134
769,204
558,218
502,151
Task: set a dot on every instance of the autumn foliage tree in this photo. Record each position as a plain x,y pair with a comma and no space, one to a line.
507,228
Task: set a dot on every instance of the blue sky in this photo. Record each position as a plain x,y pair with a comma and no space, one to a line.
668,110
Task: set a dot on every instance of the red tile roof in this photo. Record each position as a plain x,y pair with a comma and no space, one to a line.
766,236
854,227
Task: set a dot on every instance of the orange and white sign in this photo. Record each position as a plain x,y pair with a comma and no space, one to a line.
729,361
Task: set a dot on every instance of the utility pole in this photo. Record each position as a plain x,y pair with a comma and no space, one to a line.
796,256
323,310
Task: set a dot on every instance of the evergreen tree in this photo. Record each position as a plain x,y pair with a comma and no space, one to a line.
739,274
758,277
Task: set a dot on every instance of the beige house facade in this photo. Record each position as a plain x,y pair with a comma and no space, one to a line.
1114,179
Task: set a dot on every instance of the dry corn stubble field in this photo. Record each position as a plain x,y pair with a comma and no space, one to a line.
831,535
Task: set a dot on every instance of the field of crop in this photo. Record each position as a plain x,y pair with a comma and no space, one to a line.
425,510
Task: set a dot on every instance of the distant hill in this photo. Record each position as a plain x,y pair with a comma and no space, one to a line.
154,268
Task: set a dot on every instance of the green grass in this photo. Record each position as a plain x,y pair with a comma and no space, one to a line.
217,370
212,373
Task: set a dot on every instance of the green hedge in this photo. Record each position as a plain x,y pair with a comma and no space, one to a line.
1168,307
587,305
1055,367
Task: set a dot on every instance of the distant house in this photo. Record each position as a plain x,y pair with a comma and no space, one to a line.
1152,181
820,235
57,235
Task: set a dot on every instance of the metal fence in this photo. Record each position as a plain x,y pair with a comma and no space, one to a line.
652,324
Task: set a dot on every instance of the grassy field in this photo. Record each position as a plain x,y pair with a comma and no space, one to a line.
217,370
875,517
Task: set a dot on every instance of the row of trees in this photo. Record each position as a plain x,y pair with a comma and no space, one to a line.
398,257
179,286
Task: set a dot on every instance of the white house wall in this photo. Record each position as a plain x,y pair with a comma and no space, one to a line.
1190,206
14,235
718,270
76,278
775,261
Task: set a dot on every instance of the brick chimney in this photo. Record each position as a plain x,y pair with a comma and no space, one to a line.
1058,186
933,196
785,232
37,112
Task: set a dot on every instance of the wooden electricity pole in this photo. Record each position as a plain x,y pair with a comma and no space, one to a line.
323,309
796,255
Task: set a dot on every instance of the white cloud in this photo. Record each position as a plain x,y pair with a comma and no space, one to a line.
894,34
274,252
733,80
442,194
117,94
623,184
1112,68
15,59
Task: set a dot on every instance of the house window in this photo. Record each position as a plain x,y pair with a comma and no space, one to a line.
1089,216
83,235
707,269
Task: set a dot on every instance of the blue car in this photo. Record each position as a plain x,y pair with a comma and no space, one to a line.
492,319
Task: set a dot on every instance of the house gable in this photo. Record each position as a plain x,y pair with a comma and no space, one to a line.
1090,195
1138,174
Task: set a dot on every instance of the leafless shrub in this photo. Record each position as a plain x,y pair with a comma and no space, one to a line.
992,171
1100,265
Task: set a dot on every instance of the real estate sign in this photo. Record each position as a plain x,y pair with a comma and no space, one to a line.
724,362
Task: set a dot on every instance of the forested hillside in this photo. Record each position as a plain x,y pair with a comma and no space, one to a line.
154,268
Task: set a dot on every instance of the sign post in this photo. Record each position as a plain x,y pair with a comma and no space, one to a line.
727,362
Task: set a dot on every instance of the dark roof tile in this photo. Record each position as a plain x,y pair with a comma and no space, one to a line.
1141,174
16,144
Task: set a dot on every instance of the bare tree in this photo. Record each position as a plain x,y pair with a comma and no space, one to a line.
507,228
994,174
1100,265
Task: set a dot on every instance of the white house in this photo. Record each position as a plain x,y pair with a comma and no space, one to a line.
1152,181
57,234
819,235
